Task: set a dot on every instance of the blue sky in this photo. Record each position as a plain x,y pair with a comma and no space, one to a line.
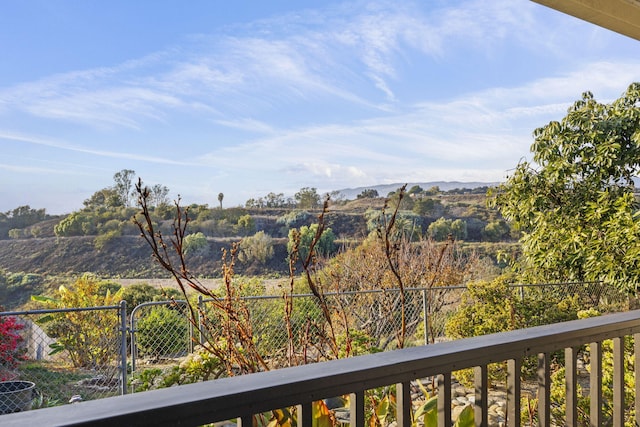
249,97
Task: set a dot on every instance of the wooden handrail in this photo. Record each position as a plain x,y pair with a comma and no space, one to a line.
243,396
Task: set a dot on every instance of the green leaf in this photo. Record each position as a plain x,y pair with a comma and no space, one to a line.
429,412
44,299
44,319
466,417
56,347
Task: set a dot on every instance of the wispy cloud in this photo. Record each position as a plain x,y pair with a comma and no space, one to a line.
87,150
278,63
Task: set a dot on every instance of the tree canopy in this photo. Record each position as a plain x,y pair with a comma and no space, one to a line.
575,204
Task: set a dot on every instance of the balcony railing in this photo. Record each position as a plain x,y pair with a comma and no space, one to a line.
243,396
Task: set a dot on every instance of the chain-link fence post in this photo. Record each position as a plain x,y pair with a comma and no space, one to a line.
425,317
200,327
123,346
132,332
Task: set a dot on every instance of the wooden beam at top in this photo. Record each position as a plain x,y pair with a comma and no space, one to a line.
621,16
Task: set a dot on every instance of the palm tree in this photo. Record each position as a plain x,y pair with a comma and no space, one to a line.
220,197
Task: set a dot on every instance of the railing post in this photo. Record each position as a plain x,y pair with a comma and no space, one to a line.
636,359
513,392
544,390
356,409
618,382
403,403
444,399
595,384
305,414
123,346
480,406
571,381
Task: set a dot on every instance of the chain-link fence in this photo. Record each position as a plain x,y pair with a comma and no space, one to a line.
162,332
54,357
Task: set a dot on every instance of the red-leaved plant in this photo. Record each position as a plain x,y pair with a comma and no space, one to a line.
11,351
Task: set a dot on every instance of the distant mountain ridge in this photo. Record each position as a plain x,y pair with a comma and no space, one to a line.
384,189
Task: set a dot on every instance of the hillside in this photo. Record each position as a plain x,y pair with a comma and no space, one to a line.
105,242
126,256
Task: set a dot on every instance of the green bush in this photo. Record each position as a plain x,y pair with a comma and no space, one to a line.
258,247
491,307
162,332
196,244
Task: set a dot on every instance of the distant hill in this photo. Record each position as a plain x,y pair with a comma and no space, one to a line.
384,189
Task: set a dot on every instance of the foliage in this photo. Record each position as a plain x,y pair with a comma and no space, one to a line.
11,351
307,198
196,244
246,224
406,223
295,218
258,247
102,240
159,195
123,184
87,336
271,200
425,205
105,198
20,218
15,233
74,224
442,228
302,238
225,323
164,331
496,231
491,307
577,210
200,365
369,193
317,328
139,293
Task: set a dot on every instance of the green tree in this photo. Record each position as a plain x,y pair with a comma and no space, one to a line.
459,229
86,335
196,244
75,224
424,205
575,206
159,195
323,247
440,229
246,224
123,184
258,247
416,189
105,198
273,200
496,231
369,193
307,198
220,198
